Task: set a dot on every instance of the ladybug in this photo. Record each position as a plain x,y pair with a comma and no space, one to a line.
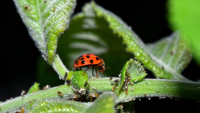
90,60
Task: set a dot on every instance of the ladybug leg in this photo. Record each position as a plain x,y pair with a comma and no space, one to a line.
96,71
86,69
93,71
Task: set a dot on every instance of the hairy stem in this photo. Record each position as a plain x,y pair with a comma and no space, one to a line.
59,67
146,88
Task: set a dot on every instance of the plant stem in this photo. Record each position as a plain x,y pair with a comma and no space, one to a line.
147,88
59,67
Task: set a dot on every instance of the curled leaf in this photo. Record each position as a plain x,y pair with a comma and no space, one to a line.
34,88
157,64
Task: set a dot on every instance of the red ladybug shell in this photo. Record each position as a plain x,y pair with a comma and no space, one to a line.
87,59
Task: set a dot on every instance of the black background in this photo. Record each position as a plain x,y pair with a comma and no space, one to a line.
148,18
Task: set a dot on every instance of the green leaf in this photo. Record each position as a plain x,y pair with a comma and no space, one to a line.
34,88
90,34
132,72
45,21
80,81
140,50
173,51
104,104
184,15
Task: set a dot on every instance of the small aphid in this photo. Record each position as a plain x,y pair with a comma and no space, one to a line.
120,107
163,68
171,52
54,9
111,78
68,82
22,110
135,62
34,99
119,75
157,90
46,87
132,83
65,76
93,96
29,101
146,81
132,88
94,87
164,85
145,94
116,81
127,80
45,1
26,7
60,93
126,90
128,100
113,89
136,80
23,93
85,83
75,97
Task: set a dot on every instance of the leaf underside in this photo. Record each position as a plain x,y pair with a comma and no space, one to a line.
165,61
45,21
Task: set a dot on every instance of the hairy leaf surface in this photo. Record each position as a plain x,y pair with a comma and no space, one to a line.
45,21
152,61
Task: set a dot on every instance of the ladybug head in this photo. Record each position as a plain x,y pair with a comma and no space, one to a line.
102,68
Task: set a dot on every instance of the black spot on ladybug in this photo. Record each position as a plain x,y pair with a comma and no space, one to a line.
91,61
82,58
88,56
76,62
83,62
97,58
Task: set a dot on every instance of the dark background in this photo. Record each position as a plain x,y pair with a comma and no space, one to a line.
19,55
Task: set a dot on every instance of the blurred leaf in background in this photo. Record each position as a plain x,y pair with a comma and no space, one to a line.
184,15
90,34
